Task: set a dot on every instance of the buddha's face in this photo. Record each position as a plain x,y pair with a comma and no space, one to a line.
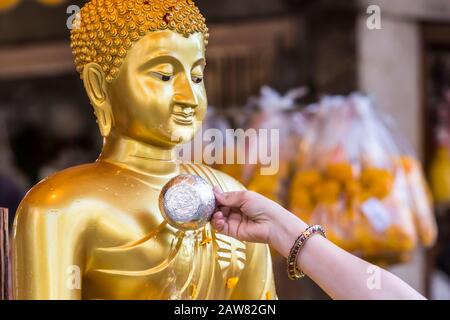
159,96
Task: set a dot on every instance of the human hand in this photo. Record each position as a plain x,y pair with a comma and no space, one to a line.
249,216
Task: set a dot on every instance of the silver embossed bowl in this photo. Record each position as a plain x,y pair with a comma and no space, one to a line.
187,202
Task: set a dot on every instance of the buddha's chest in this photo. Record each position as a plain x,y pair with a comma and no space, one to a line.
166,265
139,256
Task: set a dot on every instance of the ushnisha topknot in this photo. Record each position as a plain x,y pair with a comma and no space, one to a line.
105,30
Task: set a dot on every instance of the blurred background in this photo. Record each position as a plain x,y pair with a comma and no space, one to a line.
324,47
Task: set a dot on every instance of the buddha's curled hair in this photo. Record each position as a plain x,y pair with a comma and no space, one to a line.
105,30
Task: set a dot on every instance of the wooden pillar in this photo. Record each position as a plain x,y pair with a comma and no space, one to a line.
5,261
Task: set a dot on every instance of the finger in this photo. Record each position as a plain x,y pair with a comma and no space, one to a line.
217,189
230,199
234,223
220,224
218,215
225,210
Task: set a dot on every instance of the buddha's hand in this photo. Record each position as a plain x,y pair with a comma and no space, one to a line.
249,216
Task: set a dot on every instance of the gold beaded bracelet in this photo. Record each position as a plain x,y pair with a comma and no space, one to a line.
294,272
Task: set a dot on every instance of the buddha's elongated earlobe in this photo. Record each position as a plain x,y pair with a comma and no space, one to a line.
95,84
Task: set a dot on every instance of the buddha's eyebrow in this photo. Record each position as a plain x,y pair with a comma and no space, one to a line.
199,62
158,60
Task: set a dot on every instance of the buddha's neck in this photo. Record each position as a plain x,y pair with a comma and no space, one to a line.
138,156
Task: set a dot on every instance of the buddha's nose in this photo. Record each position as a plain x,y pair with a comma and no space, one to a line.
186,102
185,97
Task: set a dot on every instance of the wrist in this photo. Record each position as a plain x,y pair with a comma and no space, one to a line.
286,229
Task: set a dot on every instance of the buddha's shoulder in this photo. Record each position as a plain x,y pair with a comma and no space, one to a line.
75,183
214,176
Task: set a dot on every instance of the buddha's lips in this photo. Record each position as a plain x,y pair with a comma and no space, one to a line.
183,118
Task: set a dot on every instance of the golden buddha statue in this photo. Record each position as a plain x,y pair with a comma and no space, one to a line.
95,231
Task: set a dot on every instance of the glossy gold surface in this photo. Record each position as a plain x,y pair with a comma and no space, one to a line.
95,231
106,29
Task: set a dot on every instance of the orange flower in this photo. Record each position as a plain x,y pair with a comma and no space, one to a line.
306,178
301,198
232,282
206,241
327,192
353,188
407,163
341,172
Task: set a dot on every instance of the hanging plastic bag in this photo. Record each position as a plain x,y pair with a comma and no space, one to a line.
274,111
350,182
419,195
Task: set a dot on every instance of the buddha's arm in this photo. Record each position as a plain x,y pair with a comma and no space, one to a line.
257,280
47,255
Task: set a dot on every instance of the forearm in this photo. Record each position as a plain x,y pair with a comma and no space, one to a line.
340,274
344,276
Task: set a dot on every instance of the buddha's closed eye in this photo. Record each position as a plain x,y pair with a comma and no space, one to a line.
167,77
197,79
162,76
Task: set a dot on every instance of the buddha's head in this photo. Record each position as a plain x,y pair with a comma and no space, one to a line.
142,64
